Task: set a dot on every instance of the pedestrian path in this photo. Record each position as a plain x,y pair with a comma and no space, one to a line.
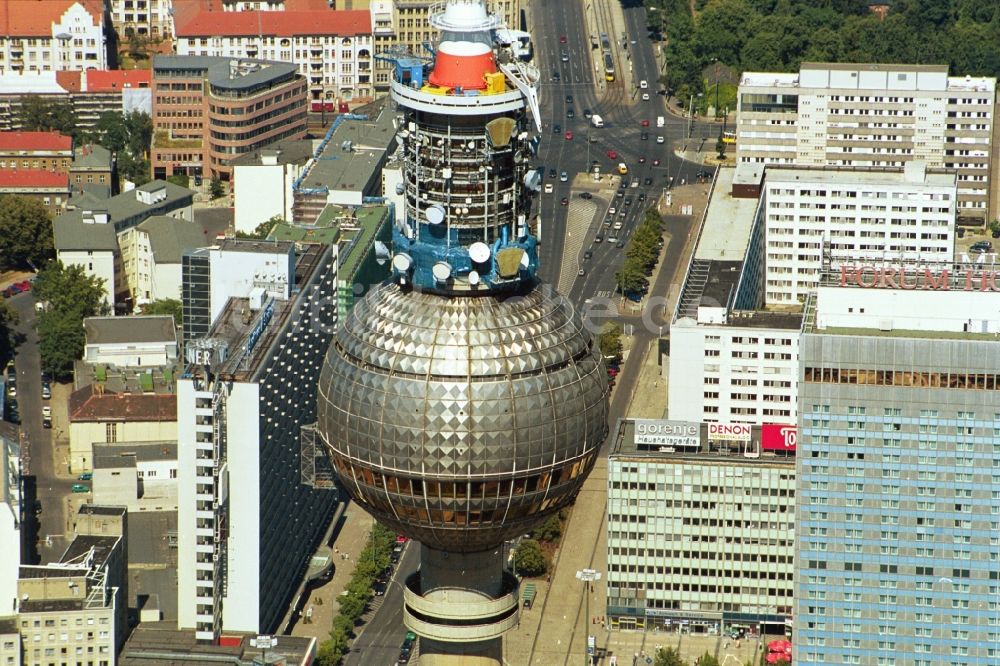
578,220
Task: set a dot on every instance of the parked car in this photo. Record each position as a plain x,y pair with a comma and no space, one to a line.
563,176
80,488
586,195
46,389
378,588
86,476
46,417
569,135
981,247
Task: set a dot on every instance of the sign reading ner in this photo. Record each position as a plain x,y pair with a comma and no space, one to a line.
667,433
729,432
776,437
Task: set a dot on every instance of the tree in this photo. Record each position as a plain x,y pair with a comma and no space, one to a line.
529,560
72,295
8,336
216,189
41,115
26,230
706,660
610,340
632,277
128,136
263,230
668,657
164,306
549,531
179,179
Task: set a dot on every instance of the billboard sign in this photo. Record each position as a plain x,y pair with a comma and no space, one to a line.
659,432
729,432
778,437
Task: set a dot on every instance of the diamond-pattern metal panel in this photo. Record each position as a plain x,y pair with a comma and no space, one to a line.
473,392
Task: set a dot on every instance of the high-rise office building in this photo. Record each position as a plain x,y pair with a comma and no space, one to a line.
877,115
700,529
246,526
898,501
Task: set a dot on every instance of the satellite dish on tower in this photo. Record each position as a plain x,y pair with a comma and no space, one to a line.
434,214
441,271
479,252
473,278
382,253
402,262
533,180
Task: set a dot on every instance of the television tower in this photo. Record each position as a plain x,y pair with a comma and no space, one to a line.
462,402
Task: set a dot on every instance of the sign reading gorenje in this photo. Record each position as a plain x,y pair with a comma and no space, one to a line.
667,433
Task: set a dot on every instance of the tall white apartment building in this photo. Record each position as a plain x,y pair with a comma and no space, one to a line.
11,522
247,526
873,115
730,360
52,35
847,214
333,49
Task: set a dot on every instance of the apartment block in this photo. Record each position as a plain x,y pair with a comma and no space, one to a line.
50,189
76,609
331,49
837,214
899,410
209,110
732,359
701,527
48,151
873,115
152,19
52,35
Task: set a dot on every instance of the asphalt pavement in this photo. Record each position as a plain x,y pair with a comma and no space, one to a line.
41,482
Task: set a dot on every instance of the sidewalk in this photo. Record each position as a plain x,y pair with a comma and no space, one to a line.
350,541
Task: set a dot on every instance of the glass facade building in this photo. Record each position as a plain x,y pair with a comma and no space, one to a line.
898,544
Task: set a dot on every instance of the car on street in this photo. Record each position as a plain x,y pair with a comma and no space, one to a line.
704,173
656,162
644,136
643,84
620,244
587,255
552,173
86,476
569,99
564,57
586,195
628,201
581,272
644,122
570,113
598,238
618,225
587,113
659,139
642,159
548,188
378,588
556,77
563,176
569,135
80,488
564,201
612,210
645,97
647,181
619,194
562,39
612,239
556,129
642,195
612,155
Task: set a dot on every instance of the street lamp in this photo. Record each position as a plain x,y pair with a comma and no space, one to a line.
588,576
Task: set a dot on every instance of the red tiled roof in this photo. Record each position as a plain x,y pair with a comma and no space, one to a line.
10,141
32,178
69,79
89,404
34,18
111,80
342,23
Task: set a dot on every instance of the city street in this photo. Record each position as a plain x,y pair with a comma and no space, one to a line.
36,442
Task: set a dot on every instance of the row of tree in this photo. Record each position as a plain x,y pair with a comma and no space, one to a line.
778,35
69,295
127,135
641,254
353,603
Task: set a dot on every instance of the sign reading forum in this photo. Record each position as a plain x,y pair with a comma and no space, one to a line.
668,433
